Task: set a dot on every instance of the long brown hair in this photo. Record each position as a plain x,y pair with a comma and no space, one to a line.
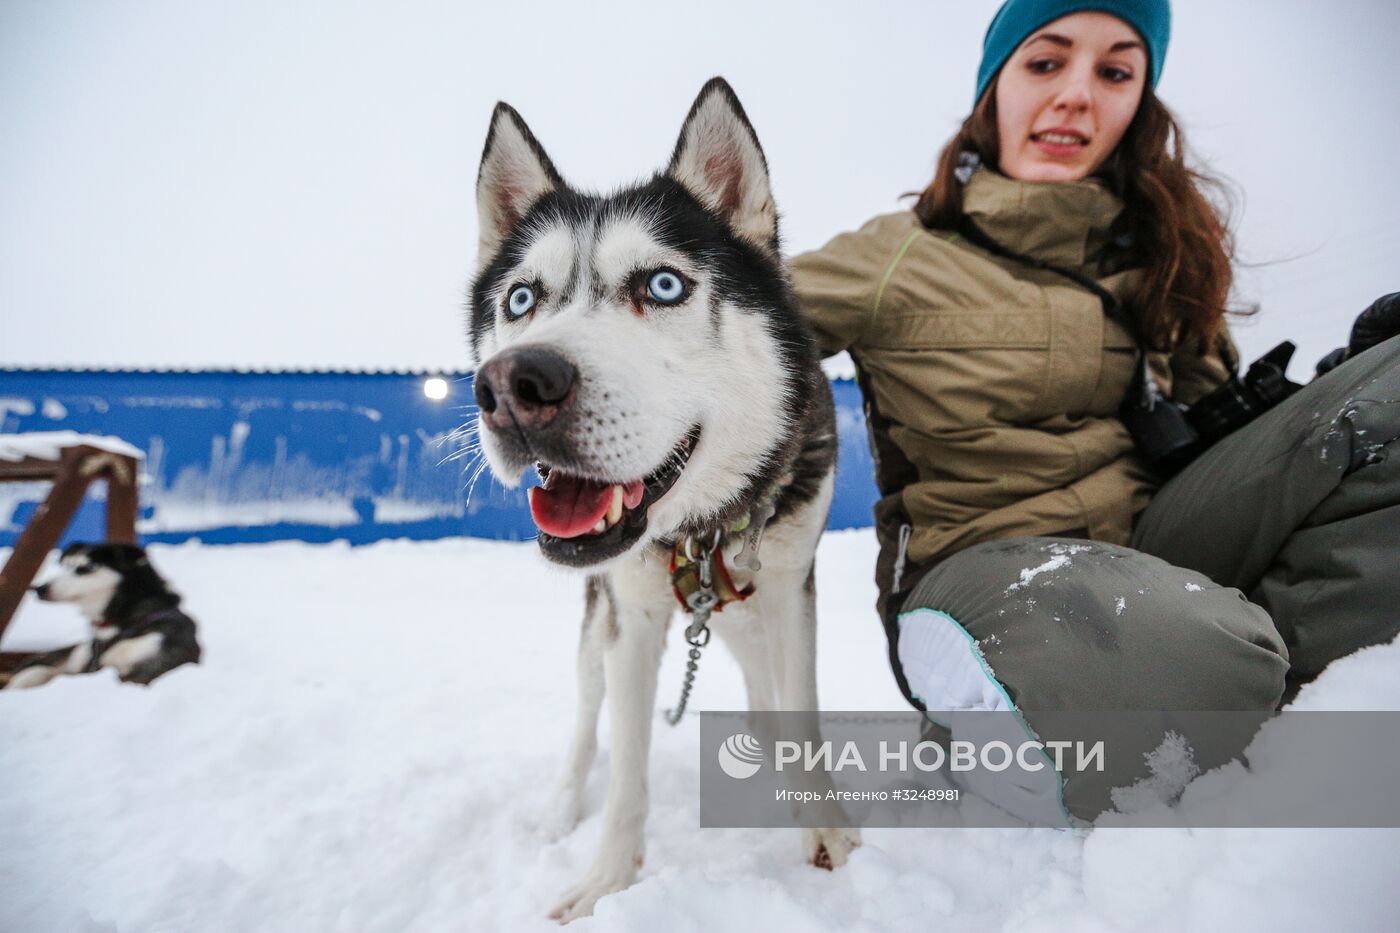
1179,239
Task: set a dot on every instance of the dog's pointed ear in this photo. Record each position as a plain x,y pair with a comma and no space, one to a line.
718,159
514,174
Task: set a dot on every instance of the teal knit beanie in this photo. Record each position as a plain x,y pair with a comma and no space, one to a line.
1017,19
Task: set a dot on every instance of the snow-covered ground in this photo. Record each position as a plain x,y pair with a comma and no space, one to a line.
372,730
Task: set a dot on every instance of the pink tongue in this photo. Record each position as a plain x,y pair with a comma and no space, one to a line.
571,506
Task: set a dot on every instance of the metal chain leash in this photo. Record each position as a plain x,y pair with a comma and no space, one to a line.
701,604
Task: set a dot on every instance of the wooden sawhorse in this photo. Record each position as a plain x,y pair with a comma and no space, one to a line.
75,469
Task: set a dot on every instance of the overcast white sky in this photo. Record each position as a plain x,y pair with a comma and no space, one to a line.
290,183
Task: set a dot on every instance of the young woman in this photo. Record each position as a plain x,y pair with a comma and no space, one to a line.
997,330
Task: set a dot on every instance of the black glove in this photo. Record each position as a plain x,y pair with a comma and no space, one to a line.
1376,324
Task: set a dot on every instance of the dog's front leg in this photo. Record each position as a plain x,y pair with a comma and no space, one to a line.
33,676
630,660
43,668
794,616
565,807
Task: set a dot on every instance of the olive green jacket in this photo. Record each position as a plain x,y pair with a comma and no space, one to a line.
991,388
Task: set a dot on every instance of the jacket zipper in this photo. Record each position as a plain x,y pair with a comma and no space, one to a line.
904,532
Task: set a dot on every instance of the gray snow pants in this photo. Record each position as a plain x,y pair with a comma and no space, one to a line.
1273,554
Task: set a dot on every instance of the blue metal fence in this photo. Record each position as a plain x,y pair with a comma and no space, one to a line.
234,457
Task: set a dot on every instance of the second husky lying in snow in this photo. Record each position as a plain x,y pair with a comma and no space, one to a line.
643,351
138,628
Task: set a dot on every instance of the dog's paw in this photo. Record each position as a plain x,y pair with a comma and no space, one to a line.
601,880
558,817
28,677
829,848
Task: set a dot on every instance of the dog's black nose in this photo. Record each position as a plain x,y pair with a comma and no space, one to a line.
532,383
485,398
42,591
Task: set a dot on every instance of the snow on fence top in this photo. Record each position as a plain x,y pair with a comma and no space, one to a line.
49,445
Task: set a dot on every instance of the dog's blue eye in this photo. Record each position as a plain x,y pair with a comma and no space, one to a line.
666,287
521,300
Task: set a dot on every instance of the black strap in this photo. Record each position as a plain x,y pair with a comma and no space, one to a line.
1144,386
1111,307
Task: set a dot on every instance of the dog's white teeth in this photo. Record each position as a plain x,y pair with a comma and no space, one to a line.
601,527
615,507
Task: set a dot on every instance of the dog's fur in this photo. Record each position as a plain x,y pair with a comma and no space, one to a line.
138,628
715,402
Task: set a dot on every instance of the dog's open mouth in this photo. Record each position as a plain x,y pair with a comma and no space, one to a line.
584,521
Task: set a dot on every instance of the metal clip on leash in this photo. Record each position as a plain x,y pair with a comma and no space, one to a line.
701,604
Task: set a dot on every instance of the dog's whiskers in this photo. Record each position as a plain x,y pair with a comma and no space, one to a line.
467,431
476,475
462,453
466,441
472,458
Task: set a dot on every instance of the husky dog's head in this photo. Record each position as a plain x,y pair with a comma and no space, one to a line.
99,578
642,348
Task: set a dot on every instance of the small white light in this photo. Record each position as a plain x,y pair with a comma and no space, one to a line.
435,388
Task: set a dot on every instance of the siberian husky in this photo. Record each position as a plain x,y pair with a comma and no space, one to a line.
644,352
138,628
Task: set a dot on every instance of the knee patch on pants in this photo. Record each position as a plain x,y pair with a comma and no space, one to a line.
1049,624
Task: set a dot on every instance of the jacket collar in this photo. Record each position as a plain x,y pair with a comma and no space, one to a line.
1065,223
